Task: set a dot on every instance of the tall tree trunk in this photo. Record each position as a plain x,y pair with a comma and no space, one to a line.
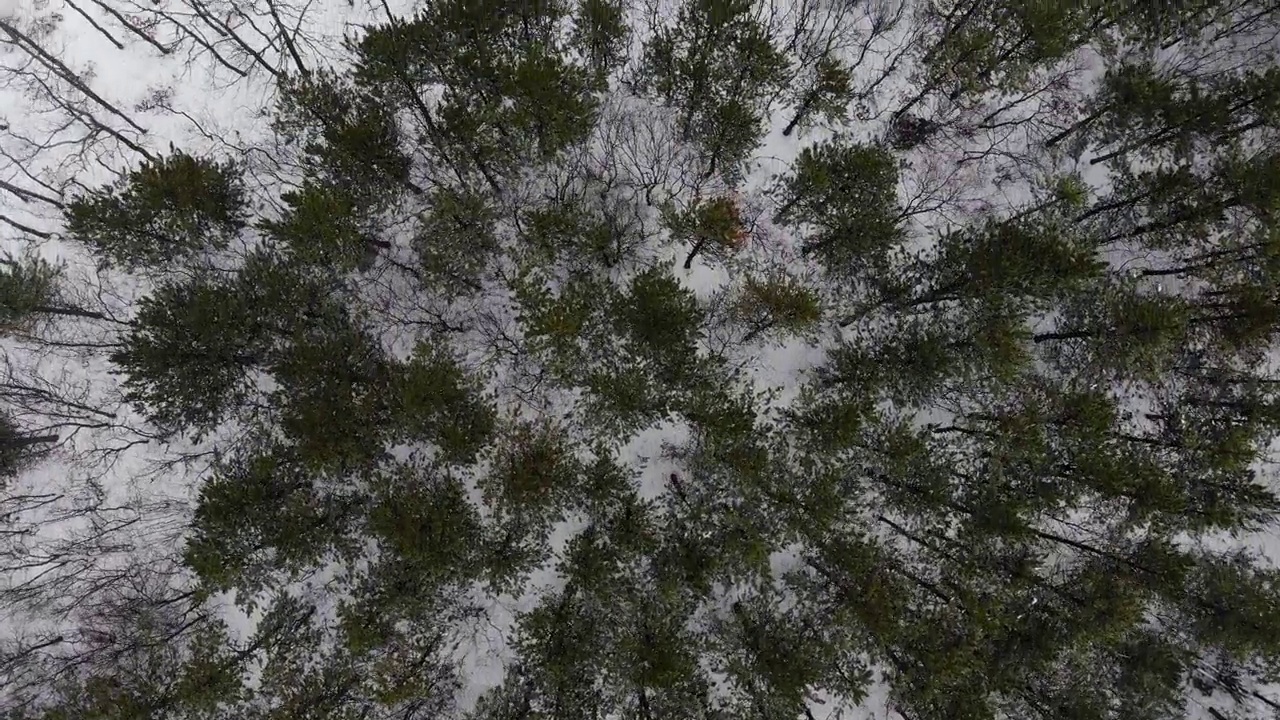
801,113
129,26
1076,126
287,39
27,441
119,45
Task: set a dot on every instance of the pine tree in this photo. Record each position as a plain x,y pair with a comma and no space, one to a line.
843,199
18,449
167,212
513,93
716,64
28,286
827,95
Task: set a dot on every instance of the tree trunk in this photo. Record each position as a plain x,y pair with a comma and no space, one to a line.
287,39
222,29
697,248
801,113
24,228
76,312
27,195
22,442
1077,126
129,26
119,45
1168,132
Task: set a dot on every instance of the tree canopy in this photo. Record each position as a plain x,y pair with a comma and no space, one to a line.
508,372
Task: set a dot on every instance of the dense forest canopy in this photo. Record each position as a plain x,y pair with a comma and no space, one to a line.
707,359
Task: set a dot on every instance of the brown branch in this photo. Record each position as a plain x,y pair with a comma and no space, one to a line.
65,73
28,195
207,46
286,39
225,31
119,45
24,228
129,26
68,311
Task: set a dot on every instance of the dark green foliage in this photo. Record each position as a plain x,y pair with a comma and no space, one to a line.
778,303
634,349
1033,261
323,227
843,198
826,97
190,356
435,400
568,328
1145,112
583,235
19,449
457,240
164,213
983,46
652,365
601,35
428,537
265,513
332,395
534,470
218,327
427,522
533,479
660,322
351,140
716,65
28,285
513,94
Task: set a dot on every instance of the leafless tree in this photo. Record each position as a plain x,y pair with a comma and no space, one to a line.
121,627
